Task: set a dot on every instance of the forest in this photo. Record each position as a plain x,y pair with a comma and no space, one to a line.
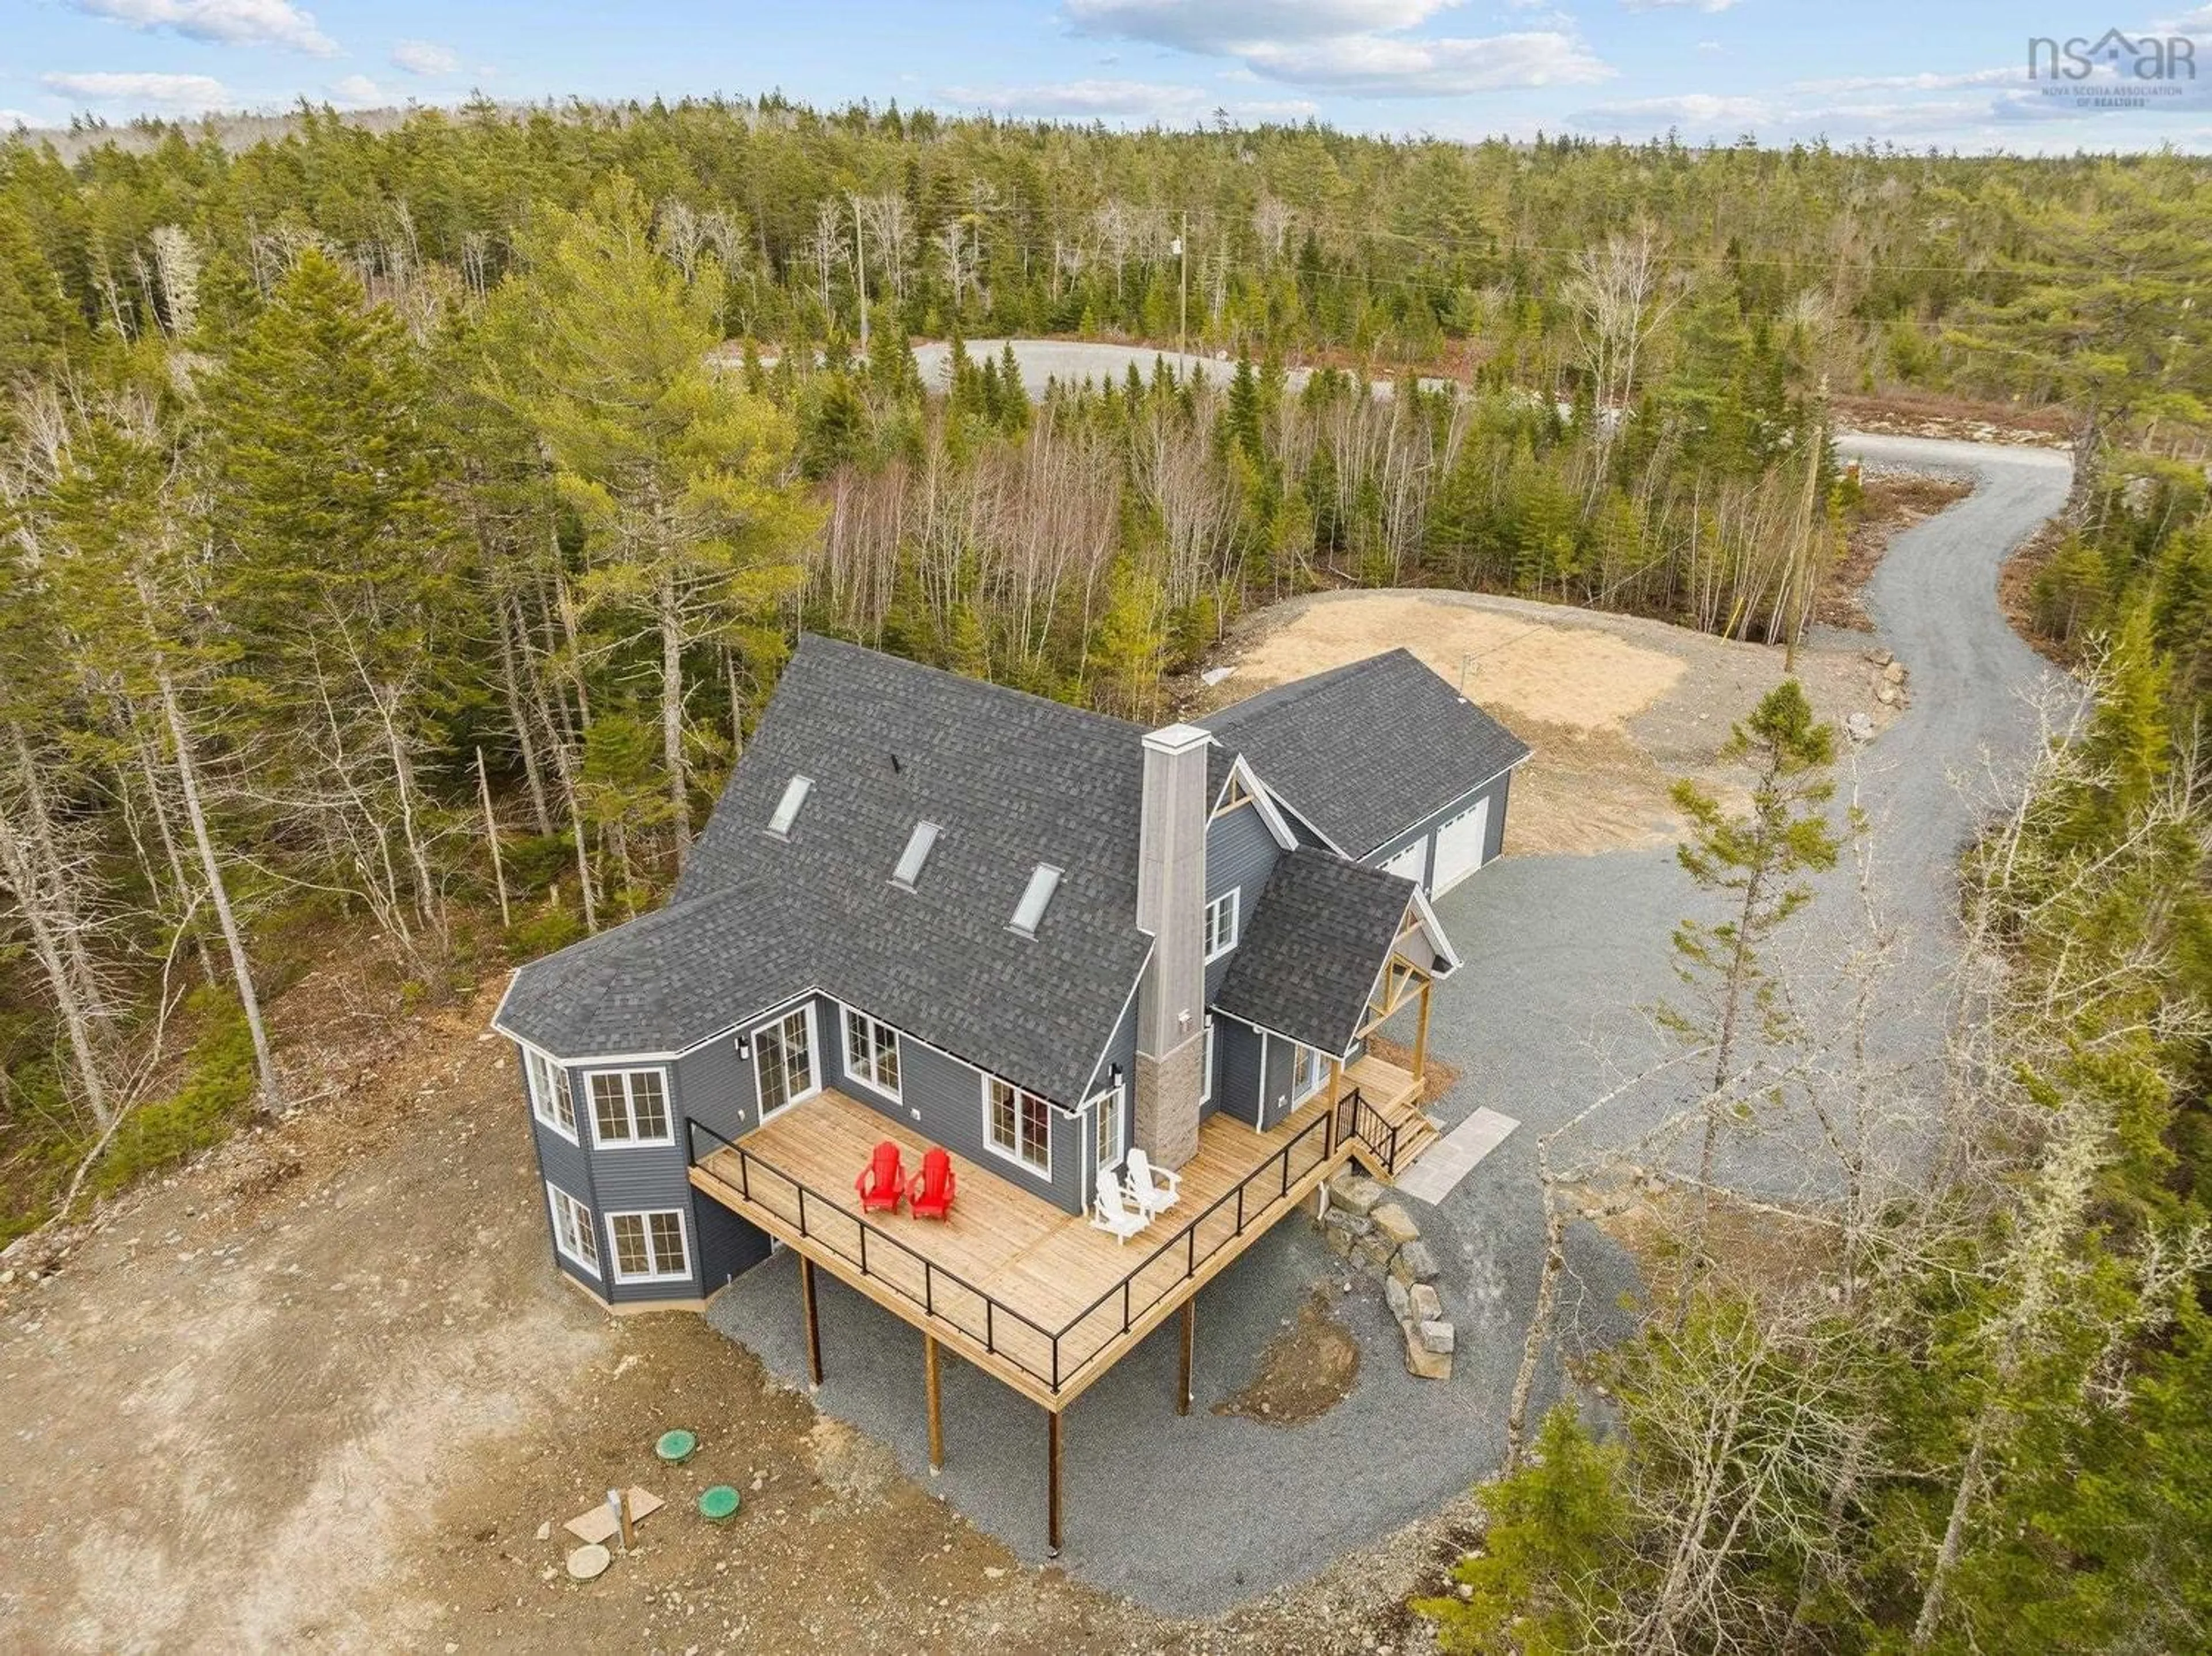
401,528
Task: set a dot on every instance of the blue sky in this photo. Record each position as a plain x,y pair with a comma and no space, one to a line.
1950,73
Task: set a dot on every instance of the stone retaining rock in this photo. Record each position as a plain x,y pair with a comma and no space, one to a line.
1361,1223
1415,1263
1393,1222
1356,1192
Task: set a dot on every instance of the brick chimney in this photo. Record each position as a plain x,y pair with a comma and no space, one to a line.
1171,907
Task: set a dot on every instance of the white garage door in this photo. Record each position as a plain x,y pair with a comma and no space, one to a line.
1459,847
1411,863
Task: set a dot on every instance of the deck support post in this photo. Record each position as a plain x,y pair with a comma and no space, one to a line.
1190,1329
1421,1039
930,1390
1052,1483
813,1322
1335,1082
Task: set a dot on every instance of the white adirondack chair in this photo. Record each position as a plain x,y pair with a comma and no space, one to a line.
1153,1189
1110,1214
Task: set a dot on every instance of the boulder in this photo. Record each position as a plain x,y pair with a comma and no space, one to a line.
1886,694
1859,727
1413,1263
1375,1248
1395,1222
1435,1337
1421,1362
1894,671
1423,1302
1344,1231
1399,1298
1356,1192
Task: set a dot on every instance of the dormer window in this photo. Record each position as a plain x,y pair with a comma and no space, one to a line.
918,845
1043,881
786,808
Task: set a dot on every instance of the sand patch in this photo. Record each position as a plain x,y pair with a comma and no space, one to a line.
1560,675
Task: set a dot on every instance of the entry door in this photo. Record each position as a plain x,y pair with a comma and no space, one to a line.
1459,847
1312,1073
783,1060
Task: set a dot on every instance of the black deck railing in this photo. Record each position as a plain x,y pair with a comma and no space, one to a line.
1056,1357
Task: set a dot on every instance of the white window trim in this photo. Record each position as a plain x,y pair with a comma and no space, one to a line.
1298,1064
1234,898
538,1110
845,1052
1014,1155
813,1060
682,1237
554,1197
630,1107
1205,1064
1112,1099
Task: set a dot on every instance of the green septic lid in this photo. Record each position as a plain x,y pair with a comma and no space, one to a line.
675,1447
719,1505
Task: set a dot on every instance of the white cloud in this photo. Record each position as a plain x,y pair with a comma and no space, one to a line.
1701,113
425,58
1681,5
226,22
1166,102
1360,47
12,119
359,92
139,90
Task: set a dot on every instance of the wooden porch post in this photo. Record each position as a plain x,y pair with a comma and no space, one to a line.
814,1323
1335,1082
936,1418
1421,1036
1052,1483
1190,1329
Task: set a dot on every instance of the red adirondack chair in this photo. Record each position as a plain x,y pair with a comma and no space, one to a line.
884,1182
930,1196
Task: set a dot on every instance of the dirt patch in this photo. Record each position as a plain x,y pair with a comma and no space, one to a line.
1305,1371
1892,502
1905,413
1616,707
322,1389
1540,670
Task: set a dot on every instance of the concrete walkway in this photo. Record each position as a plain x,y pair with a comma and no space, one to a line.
1191,1515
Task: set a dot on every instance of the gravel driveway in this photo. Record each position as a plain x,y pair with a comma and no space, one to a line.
1190,1516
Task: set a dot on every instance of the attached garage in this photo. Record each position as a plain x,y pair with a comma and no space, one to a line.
1461,845
1411,863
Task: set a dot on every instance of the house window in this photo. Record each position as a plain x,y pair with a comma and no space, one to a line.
649,1246
787,807
572,1229
1205,1065
1018,1124
1044,880
550,1102
1106,1128
1312,1069
630,1107
783,1060
872,1052
1221,925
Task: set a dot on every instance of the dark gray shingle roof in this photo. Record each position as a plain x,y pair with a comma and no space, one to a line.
1367,750
1308,958
1013,780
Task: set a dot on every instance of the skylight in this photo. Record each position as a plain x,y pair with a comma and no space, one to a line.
916,854
786,808
1030,910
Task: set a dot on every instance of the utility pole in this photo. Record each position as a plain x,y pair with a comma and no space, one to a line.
1183,299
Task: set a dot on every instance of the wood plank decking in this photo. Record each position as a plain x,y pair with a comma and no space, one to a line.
1040,1299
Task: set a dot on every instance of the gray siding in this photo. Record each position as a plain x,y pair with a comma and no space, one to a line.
1238,1055
560,1163
1281,1056
941,1098
1240,853
633,1177
1496,791
725,1244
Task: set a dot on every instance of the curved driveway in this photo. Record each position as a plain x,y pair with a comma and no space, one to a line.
1193,1515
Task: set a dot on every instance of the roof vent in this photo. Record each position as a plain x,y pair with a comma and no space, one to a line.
916,854
786,808
1043,881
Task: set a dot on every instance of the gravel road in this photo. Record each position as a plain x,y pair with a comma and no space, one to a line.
1191,1516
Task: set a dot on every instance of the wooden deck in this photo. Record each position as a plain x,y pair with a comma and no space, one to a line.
1395,1095
1039,1298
